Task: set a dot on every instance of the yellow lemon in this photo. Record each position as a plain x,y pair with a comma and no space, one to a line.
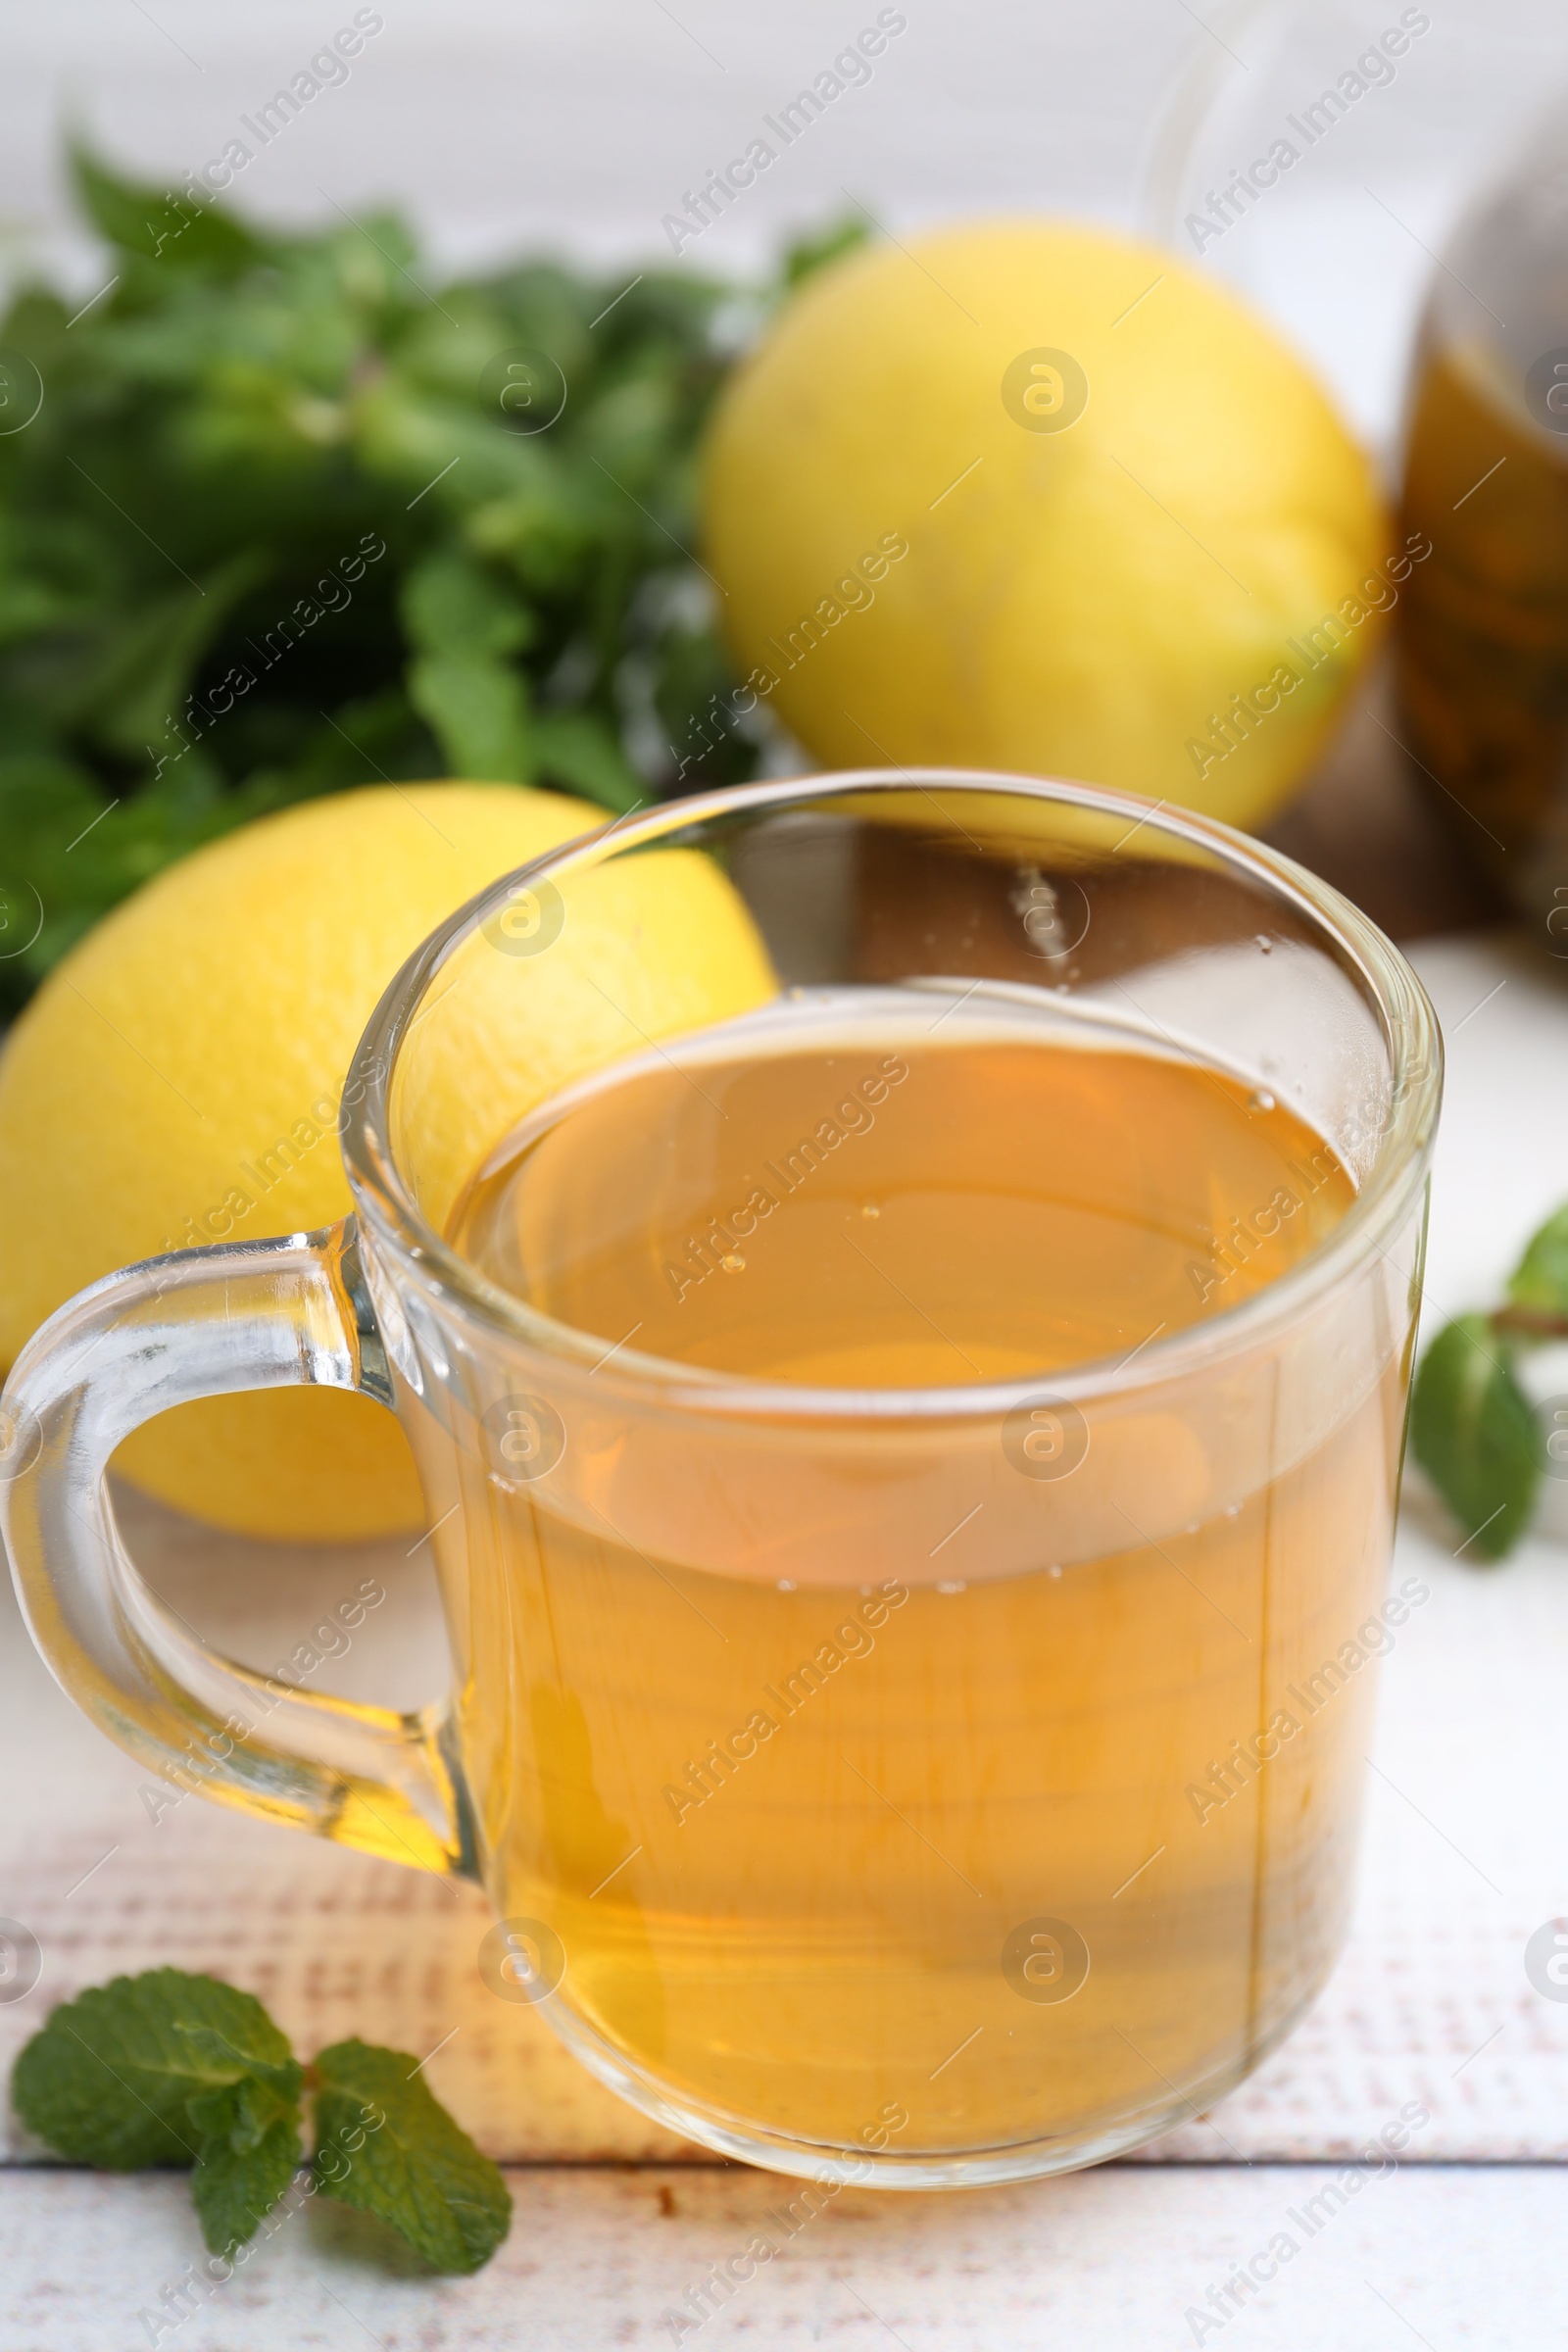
176,1081
1033,496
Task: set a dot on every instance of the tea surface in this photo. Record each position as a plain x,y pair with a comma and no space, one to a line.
961,1199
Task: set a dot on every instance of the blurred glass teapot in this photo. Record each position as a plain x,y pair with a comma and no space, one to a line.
1482,630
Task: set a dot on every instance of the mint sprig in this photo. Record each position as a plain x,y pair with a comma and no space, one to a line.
172,2069
1472,1426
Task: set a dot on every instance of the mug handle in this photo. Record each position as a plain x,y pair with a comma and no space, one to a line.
265,1314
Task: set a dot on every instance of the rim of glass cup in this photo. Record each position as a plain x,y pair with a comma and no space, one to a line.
1405,1012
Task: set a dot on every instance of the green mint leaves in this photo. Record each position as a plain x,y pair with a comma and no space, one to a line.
1472,1427
169,2069
1475,1436
419,2171
1540,1283
287,523
114,2076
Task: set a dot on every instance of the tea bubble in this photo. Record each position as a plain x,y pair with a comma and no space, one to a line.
733,1262
1262,1099
960,1586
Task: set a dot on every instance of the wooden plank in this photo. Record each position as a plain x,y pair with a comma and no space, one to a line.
1123,2259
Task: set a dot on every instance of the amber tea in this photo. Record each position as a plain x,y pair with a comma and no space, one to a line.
981,1840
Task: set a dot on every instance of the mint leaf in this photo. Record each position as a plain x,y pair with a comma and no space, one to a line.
241,2172
387,2146
1475,1436
159,223
166,2069
450,604
477,707
807,254
574,748
1540,1277
249,2149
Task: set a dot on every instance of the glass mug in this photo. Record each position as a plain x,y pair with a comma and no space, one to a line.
925,1786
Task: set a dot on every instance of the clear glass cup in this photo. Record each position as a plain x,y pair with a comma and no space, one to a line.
1026,1866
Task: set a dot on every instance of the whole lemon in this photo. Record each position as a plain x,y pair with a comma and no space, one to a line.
1033,496
177,1079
